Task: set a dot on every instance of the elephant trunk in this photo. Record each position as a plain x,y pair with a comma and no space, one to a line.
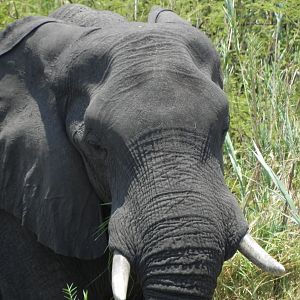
121,272
180,242
185,266
178,222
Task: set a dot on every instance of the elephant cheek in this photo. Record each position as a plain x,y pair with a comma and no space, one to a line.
122,234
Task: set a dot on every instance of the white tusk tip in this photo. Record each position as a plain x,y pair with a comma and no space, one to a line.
120,276
277,269
250,249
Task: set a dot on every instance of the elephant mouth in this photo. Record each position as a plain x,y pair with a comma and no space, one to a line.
182,267
178,222
247,246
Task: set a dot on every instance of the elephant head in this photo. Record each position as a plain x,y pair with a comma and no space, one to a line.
98,110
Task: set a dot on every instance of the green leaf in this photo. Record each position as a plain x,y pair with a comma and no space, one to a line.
70,292
278,183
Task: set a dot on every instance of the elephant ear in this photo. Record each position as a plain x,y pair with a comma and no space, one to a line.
197,42
17,31
43,181
163,15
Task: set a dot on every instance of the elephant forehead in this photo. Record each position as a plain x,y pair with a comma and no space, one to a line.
132,108
137,48
162,46
159,74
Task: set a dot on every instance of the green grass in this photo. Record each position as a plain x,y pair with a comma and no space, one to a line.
70,293
259,44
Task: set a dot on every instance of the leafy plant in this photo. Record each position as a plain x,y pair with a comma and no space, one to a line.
70,293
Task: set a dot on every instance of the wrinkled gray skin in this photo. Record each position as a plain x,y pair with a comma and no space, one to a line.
95,109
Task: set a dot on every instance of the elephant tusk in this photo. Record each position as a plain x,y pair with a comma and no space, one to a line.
257,255
120,276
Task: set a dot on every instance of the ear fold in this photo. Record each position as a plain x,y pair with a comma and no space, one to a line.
43,181
87,17
161,15
17,31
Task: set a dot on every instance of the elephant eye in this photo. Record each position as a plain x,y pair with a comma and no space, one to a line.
91,140
95,150
94,145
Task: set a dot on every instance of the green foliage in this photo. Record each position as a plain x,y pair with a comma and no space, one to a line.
70,293
279,185
259,44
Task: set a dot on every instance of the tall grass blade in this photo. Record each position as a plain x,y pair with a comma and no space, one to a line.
278,183
234,162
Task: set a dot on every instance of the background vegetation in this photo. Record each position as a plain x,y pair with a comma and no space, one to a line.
259,43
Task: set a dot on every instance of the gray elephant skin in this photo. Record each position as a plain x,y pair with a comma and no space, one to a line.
96,110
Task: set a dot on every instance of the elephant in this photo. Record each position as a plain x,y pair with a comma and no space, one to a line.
106,122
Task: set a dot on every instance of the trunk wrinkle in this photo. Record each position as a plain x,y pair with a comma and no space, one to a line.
177,215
